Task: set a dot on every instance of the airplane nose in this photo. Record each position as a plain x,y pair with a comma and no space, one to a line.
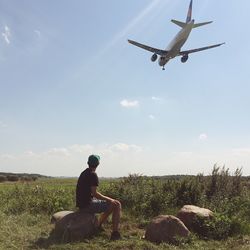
161,61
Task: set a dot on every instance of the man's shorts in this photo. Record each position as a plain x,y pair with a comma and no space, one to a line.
96,207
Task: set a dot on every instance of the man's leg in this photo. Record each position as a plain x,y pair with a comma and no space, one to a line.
105,215
115,209
116,216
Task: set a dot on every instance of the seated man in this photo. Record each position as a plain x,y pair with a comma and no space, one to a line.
86,190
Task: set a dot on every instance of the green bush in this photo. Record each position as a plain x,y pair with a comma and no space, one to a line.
142,196
221,184
189,191
220,226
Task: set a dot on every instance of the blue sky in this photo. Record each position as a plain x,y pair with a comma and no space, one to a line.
71,85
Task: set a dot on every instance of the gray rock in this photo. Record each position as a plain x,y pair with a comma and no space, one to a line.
165,228
75,226
189,213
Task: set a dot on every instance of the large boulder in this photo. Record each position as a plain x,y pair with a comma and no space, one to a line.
165,228
189,215
74,226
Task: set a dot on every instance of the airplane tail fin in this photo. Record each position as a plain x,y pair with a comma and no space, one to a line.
189,18
179,23
189,14
196,25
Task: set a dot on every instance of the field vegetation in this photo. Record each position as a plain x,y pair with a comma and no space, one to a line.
26,209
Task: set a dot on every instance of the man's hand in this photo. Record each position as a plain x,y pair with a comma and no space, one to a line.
103,197
116,202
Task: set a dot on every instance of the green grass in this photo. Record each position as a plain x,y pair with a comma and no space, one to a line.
26,210
27,231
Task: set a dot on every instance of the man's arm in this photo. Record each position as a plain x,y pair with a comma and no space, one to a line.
99,195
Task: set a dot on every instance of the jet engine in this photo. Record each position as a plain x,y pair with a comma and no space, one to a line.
184,58
154,58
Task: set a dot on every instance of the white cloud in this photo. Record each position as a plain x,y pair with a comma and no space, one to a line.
203,137
156,99
70,160
29,153
77,150
129,104
152,117
58,152
119,159
81,148
123,147
6,34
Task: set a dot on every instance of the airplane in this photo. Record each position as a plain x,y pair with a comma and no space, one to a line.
174,48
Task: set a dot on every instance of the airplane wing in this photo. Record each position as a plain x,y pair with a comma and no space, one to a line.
148,48
186,52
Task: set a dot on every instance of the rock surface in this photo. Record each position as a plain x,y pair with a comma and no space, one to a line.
189,213
165,228
74,226
59,215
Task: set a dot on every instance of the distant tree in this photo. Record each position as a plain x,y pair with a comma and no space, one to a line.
3,178
12,178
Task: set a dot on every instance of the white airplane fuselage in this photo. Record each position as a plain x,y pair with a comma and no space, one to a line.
176,44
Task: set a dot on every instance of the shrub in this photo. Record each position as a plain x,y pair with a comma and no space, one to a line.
142,196
189,191
221,184
217,228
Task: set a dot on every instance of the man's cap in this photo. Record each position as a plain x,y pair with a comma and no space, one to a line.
94,160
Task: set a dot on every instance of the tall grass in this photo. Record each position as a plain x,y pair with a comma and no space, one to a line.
36,199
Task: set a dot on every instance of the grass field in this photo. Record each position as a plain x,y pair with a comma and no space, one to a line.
26,210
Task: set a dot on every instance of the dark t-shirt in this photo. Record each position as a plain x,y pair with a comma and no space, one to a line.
86,180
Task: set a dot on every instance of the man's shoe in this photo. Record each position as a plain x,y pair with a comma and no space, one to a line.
115,236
